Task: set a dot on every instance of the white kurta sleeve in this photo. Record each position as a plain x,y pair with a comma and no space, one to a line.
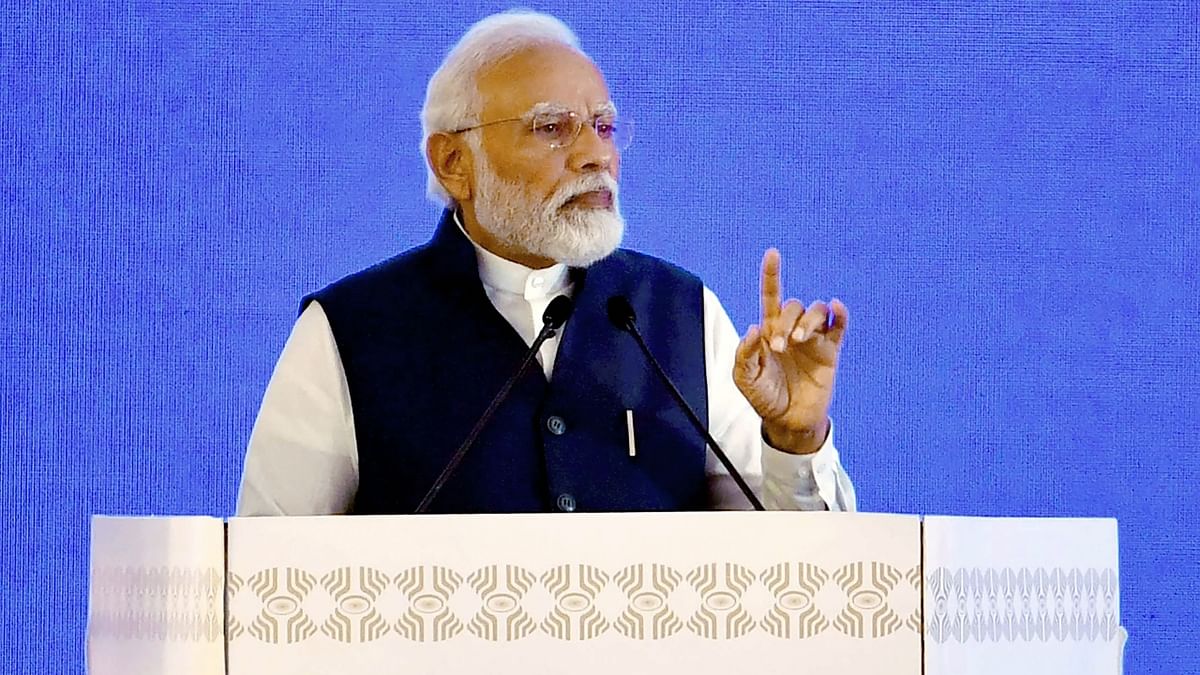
781,480
303,458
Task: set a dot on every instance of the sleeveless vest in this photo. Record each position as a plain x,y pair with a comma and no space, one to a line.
424,352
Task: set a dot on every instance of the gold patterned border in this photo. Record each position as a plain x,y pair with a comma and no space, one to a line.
573,602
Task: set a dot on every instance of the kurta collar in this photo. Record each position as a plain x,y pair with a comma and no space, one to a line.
512,277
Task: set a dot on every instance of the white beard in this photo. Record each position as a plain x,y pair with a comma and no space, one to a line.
574,236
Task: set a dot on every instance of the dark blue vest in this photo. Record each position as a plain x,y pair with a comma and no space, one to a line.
424,352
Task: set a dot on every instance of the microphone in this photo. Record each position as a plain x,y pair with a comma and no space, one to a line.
621,314
553,318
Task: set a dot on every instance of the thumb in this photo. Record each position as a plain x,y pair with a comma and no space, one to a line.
748,362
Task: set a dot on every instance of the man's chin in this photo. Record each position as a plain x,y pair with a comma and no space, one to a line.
590,251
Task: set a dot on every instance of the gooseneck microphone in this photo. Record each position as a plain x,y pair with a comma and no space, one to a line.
553,318
621,314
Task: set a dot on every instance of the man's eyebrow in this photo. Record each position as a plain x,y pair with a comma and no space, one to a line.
551,108
547,108
606,108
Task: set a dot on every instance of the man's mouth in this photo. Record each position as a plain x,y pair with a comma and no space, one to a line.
596,199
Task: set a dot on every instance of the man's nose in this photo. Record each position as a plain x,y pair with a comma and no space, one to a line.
591,153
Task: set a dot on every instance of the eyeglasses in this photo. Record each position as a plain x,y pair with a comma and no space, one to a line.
560,129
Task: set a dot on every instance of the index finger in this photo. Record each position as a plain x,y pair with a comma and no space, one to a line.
770,286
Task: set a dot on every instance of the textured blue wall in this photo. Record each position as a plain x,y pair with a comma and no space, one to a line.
1005,194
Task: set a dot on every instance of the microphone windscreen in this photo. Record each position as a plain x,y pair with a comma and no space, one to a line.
620,312
558,311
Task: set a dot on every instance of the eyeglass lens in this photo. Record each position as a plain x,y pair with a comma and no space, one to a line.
560,130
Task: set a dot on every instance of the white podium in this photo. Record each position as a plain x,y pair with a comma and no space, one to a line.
696,593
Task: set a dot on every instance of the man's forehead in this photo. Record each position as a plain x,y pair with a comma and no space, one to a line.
542,74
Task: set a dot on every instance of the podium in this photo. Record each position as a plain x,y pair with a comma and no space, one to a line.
697,593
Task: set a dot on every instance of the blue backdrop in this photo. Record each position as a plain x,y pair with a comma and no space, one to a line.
1005,194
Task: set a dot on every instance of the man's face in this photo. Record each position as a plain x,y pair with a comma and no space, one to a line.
557,203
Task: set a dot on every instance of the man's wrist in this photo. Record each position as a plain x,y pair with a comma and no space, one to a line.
796,441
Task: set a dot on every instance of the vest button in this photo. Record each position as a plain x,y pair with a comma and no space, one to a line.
566,503
556,425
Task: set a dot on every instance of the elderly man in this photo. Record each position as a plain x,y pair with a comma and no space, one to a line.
387,370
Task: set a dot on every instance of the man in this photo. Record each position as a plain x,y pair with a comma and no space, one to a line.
387,370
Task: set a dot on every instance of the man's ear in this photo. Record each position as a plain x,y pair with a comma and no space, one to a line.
451,161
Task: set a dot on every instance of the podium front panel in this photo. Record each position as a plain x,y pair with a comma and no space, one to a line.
575,593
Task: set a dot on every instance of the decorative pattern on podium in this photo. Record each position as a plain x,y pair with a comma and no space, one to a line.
721,613
795,613
282,593
647,613
428,591
355,616
789,600
169,604
501,616
869,612
574,616
1022,605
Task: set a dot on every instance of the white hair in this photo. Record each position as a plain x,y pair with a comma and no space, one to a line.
452,98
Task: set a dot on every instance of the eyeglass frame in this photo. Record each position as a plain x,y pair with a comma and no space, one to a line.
608,110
